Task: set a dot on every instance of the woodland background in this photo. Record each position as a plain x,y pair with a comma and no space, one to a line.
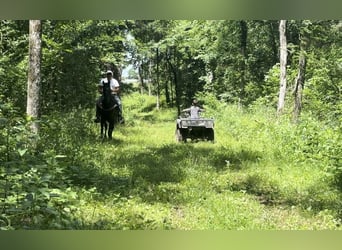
276,163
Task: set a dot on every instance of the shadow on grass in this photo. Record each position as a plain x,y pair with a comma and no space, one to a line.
142,171
234,160
315,198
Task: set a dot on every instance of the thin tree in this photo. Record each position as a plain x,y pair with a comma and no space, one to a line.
272,41
173,68
283,62
34,74
243,44
141,77
158,87
299,82
299,85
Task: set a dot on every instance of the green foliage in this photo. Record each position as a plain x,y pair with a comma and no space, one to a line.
61,133
75,52
263,172
267,94
73,55
233,60
13,62
35,192
217,57
322,92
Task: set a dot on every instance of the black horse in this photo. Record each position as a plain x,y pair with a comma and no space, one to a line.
109,112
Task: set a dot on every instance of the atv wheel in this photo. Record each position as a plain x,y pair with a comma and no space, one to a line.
210,135
178,135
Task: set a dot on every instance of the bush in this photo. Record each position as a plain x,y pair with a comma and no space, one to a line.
35,192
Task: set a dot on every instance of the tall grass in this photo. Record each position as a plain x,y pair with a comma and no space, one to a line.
261,172
257,174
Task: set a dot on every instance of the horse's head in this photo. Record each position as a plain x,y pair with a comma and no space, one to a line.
108,99
106,89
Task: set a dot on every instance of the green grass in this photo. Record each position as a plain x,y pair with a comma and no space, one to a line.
248,179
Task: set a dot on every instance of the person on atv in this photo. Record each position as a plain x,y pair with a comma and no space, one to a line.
115,88
194,110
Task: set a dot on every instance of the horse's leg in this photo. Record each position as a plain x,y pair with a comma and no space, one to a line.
112,121
116,115
102,128
105,129
110,130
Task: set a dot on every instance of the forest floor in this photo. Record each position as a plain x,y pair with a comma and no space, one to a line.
145,179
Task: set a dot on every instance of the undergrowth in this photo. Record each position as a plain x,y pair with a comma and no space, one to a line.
262,172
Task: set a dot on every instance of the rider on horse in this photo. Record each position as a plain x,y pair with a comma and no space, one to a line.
115,89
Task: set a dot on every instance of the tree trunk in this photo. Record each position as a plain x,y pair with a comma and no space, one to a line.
299,83
171,88
141,77
175,80
283,62
158,87
166,85
243,44
33,79
149,78
299,88
273,42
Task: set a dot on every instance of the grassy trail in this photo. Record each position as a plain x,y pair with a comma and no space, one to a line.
144,179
